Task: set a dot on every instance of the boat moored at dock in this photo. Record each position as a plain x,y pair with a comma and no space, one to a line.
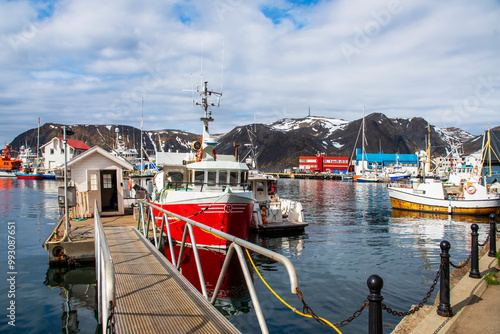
272,213
8,164
472,198
209,188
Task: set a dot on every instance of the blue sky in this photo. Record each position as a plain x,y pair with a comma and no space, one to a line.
92,62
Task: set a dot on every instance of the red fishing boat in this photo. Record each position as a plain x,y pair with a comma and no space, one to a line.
208,188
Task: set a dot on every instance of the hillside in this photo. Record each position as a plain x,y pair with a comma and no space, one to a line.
279,145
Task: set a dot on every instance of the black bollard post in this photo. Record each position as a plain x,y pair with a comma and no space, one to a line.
474,253
444,307
493,236
375,284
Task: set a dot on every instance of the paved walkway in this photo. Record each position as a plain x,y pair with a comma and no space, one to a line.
475,305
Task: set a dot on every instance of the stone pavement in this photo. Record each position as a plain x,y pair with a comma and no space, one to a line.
475,305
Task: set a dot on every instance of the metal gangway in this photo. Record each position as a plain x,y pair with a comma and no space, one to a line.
117,247
147,221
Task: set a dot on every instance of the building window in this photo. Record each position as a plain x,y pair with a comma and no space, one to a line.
51,151
93,182
106,181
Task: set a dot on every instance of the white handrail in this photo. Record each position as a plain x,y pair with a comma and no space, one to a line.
236,245
105,274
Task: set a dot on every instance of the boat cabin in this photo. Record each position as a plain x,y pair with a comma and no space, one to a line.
98,175
205,175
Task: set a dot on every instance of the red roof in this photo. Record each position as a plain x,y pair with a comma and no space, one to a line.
76,144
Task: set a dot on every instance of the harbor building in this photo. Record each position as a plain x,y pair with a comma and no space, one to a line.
53,151
380,161
323,164
98,176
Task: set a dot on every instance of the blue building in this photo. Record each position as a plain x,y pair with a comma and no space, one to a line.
381,161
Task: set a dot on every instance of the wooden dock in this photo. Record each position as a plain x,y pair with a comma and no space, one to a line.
151,295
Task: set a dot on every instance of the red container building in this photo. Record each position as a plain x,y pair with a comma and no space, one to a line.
323,164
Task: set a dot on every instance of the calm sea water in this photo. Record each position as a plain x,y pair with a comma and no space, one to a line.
352,234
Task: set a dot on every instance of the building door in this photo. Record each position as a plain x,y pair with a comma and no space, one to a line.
93,190
109,191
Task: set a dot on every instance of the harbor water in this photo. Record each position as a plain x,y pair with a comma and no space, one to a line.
352,234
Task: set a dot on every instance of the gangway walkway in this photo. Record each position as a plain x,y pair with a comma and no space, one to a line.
151,295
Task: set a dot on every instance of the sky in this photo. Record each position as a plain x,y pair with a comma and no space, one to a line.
115,62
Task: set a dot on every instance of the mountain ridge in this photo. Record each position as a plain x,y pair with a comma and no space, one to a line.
278,144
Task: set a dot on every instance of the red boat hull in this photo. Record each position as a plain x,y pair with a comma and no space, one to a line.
211,261
231,218
23,176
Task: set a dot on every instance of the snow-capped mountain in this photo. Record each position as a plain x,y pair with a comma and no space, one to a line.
280,144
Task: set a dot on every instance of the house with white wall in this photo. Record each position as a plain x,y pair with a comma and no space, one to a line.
98,176
53,151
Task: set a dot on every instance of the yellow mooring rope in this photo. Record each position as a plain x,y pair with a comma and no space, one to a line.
290,307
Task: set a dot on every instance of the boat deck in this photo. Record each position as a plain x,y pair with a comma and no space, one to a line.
280,227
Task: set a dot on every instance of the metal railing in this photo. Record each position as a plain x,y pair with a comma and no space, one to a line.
105,274
237,245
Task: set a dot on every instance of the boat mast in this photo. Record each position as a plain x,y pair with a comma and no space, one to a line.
38,146
208,144
489,148
363,145
142,118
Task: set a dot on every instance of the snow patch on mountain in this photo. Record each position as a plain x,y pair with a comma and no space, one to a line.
454,134
314,122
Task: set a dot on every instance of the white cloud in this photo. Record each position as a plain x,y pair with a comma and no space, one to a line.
93,61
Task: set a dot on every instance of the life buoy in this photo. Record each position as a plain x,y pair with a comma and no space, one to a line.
471,189
475,170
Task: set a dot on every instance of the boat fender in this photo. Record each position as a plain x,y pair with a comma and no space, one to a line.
471,189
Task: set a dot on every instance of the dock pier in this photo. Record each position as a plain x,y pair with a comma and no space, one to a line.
139,290
151,295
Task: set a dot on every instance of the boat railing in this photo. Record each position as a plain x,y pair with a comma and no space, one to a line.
148,221
105,274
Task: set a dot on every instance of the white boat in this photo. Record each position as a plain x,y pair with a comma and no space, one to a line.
209,188
397,173
272,213
472,198
365,176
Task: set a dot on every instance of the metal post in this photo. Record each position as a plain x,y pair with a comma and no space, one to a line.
66,218
493,236
474,253
375,284
444,307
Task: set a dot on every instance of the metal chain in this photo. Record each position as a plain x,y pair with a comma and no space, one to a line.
417,307
485,242
110,326
71,263
307,310
353,316
464,263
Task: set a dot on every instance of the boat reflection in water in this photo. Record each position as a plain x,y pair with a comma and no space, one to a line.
233,297
78,289
439,216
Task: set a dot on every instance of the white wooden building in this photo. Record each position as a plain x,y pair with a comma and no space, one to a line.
98,175
53,151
